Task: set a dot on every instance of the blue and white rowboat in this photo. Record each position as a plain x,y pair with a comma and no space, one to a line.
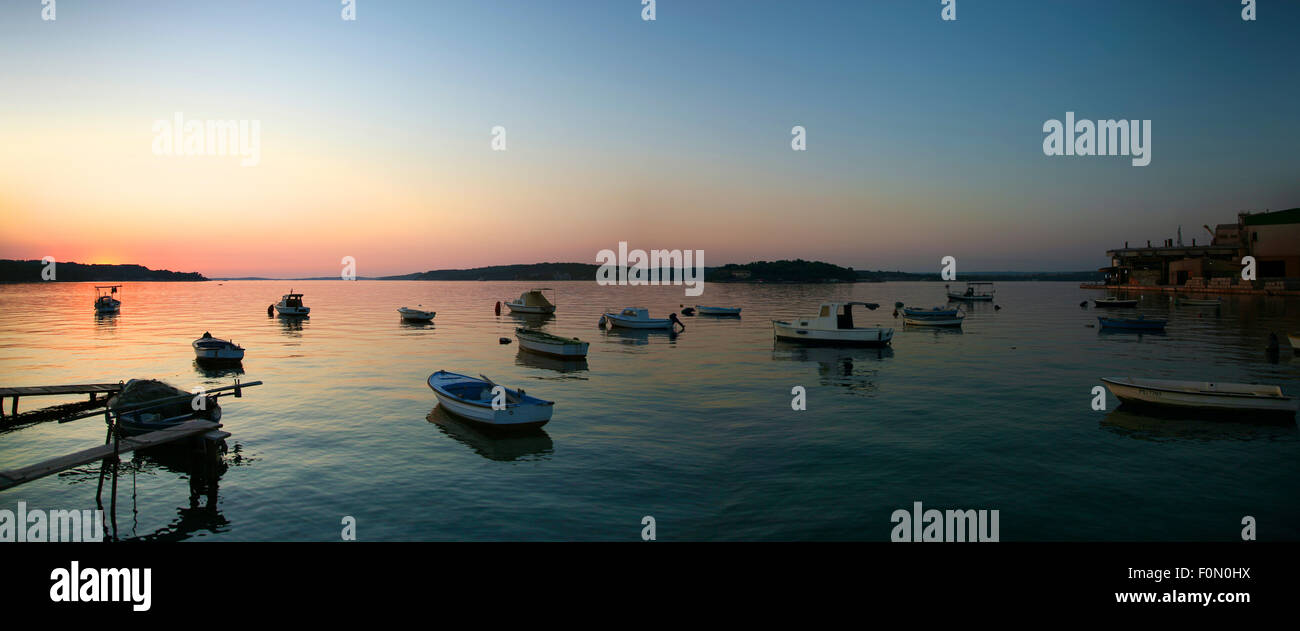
471,399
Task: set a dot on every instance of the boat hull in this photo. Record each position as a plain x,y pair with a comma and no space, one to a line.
218,355
1200,397
1195,302
529,309
416,315
717,311
965,298
874,336
933,321
1131,325
565,350
631,323
292,311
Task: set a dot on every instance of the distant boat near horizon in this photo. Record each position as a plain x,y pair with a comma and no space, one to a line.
833,325
976,291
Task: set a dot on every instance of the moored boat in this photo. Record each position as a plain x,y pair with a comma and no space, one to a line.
639,318
553,345
105,302
833,325
717,311
533,302
954,320
1140,323
1200,302
472,399
417,315
976,291
211,349
932,312
1202,395
146,405
291,305
1113,301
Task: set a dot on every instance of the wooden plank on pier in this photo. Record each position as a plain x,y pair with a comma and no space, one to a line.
85,388
14,477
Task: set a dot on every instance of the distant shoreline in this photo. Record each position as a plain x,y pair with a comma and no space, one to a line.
759,272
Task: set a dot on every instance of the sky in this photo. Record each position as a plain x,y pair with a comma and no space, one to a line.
924,137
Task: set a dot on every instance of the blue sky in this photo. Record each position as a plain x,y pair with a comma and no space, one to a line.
924,136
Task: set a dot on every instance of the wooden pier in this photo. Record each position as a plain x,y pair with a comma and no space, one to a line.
93,389
194,428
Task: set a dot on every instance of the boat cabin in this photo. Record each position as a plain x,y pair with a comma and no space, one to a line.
535,298
835,315
292,300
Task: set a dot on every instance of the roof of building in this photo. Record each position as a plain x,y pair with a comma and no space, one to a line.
1291,215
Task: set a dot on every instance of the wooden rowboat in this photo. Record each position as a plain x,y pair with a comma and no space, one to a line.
1202,395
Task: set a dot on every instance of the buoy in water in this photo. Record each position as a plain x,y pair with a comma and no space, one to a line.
504,340
270,310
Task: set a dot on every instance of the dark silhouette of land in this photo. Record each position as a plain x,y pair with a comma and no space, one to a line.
12,271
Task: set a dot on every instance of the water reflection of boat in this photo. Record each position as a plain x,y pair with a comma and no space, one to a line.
218,371
293,324
532,445
1143,425
850,368
546,362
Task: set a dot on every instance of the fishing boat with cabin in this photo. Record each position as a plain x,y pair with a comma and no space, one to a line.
105,299
833,325
291,305
639,318
976,291
533,302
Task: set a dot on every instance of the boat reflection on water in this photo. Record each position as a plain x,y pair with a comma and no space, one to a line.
293,325
406,323
500,446
852,368
1148,424
640,337
217,371
1129,334
546,362
531,320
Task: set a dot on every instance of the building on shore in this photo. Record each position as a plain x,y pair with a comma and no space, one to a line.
1273,238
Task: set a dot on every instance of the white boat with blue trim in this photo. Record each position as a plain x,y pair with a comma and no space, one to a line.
639,318
472,399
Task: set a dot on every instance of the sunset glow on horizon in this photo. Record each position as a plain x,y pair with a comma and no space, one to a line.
375,134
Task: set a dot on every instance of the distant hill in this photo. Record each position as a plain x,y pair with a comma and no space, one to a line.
12,271
534,271
1076,277
796,271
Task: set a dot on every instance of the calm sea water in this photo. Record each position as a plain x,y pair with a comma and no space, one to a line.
694,429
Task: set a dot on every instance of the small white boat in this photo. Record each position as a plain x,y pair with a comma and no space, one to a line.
1200,302
717,311
211,349
932,312
533,302
1112,301
945,320
833,325
104,300
416,314
471,399
1201,395
291,305
639,318
553,345
976,291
